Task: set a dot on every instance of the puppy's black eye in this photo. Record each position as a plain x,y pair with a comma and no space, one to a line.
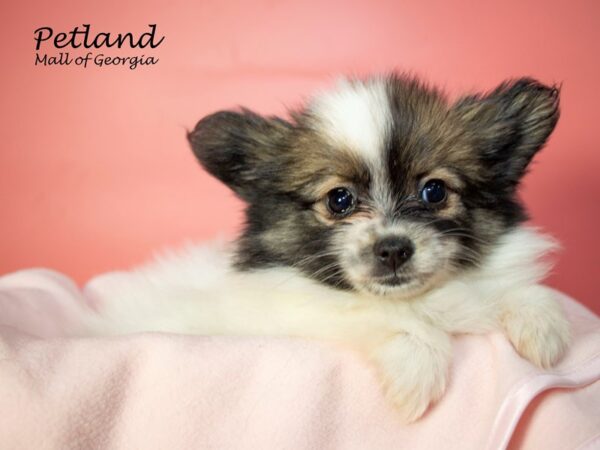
433,192
340,201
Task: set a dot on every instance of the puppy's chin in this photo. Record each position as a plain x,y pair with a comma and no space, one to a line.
401,287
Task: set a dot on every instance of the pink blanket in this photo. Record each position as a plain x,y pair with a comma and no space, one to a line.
167,391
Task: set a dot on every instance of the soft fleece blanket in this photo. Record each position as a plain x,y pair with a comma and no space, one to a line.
157,391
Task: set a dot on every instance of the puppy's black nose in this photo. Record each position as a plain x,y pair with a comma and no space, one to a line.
392,252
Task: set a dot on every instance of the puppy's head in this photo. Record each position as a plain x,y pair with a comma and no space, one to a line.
380,185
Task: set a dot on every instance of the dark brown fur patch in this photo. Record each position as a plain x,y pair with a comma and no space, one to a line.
480,146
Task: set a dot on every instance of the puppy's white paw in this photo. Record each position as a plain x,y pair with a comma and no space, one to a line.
536,325
414,371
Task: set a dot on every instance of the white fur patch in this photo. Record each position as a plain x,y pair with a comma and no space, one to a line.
357,116
197,292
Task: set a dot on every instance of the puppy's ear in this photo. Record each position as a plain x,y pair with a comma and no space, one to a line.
242,149
510,125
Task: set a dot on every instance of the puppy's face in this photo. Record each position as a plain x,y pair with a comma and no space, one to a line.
380,185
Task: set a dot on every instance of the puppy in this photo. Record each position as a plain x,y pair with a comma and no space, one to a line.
381,216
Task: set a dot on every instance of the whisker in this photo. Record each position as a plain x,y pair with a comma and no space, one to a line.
462,232
311,258
324,269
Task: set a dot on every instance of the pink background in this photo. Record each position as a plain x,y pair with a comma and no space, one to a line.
95,171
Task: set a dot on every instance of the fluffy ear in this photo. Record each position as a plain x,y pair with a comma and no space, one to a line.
510,125
242,149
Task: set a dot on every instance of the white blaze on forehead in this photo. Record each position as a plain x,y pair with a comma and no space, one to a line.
357,116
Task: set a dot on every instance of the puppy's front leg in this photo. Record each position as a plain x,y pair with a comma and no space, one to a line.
535,324
414,368
529,315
